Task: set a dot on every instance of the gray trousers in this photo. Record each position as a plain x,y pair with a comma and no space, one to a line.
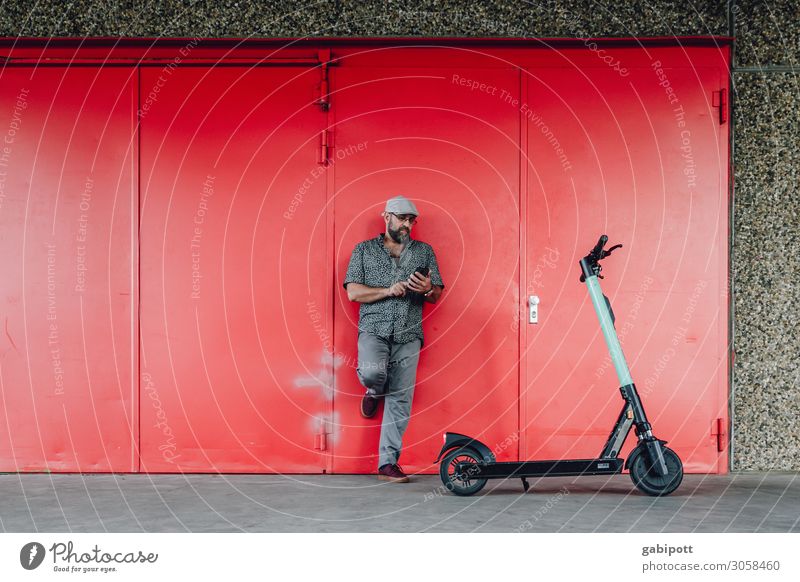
389,370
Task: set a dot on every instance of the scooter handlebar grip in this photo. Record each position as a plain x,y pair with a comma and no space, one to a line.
599,246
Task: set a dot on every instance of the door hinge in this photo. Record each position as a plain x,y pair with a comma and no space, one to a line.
325,145
321,441
321,437
324,100
718,430
720,100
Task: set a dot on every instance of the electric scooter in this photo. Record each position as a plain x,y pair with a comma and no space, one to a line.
467,464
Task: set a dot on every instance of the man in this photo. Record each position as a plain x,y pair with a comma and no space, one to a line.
382,277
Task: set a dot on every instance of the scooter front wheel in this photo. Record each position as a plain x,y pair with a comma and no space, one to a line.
455,471
650,480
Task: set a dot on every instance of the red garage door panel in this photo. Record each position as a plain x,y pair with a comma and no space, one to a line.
622,156
174,251
67,200
235,373
455,153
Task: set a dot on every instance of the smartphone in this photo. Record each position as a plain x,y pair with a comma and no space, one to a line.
422,271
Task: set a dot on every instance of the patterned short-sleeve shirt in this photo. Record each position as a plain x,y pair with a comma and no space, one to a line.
372,265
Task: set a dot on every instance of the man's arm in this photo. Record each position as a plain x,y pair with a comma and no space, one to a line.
365,294
435,294
435,278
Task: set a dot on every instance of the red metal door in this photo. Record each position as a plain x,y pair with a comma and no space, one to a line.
234,272
67,238
454,151
244,239
643,160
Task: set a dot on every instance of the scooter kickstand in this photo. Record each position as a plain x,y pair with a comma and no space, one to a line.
525,484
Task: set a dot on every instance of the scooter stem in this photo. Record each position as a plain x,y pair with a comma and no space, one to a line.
609,331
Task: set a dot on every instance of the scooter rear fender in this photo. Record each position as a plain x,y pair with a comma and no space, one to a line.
454,440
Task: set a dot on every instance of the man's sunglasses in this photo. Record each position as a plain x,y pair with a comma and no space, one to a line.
409,218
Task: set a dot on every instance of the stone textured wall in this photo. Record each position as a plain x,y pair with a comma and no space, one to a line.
766,99
766,240
363,17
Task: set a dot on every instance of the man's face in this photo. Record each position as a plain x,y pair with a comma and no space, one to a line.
399,226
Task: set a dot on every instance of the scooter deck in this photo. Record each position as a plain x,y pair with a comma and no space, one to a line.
544,468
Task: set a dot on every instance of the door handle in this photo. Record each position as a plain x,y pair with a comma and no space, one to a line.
533,309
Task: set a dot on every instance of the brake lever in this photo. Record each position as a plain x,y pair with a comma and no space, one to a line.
611,250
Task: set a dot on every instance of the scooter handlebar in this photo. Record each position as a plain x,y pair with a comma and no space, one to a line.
592,260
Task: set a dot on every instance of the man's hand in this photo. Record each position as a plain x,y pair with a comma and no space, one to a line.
419,283
397,290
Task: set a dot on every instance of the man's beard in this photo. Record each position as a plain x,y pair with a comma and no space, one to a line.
399,236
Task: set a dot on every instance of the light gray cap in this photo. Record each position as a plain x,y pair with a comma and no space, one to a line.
401,205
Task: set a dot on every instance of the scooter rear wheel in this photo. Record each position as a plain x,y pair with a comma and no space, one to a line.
459,481
650,480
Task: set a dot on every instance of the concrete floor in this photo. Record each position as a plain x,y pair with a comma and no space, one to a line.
743,502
